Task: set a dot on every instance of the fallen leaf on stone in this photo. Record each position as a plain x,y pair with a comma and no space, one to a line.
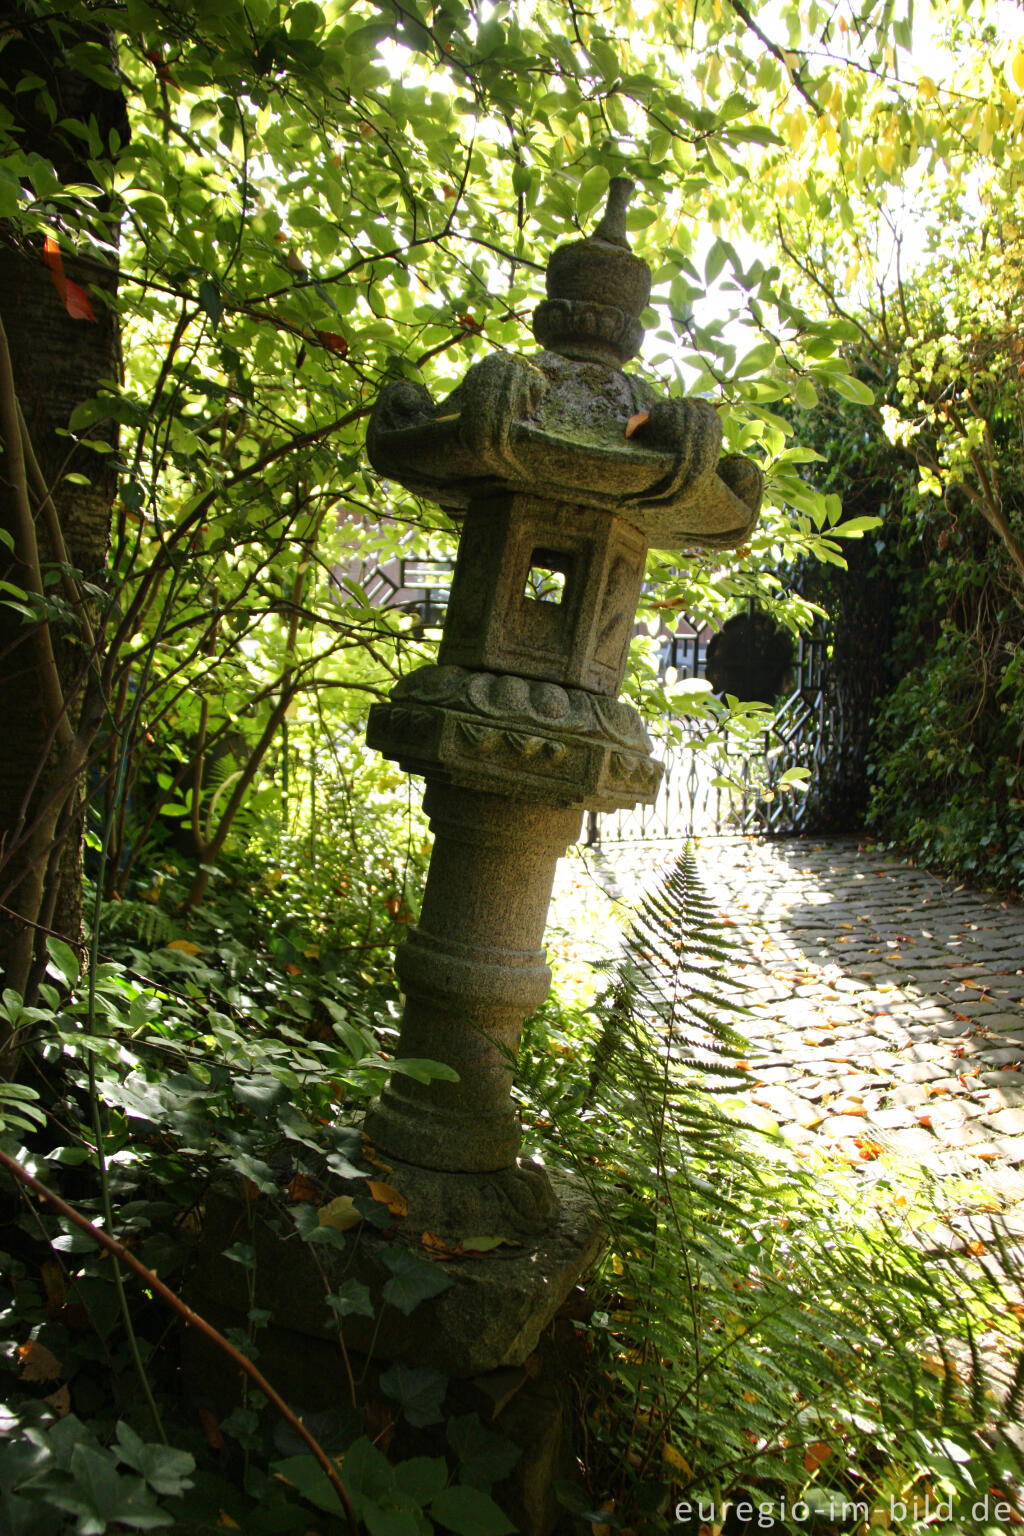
867,1148
486,1244
386,1194
636,421
370,1156
438,1248
340,1213
37,1362
926,1121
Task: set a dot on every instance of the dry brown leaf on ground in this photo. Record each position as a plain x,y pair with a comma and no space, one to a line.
37,1362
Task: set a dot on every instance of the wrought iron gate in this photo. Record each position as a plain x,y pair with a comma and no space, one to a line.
695,798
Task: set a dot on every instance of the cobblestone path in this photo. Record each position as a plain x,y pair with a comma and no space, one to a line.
887,1004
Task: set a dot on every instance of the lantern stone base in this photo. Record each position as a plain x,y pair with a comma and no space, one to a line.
495,1305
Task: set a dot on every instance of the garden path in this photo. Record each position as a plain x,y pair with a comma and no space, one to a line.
887,1005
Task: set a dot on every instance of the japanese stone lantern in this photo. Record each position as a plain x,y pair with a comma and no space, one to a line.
563,471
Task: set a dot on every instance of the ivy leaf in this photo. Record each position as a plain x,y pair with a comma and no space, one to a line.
421,1478
412,1279
166,1470
484,1457
308,1477
418,1391
352,1297
469,1512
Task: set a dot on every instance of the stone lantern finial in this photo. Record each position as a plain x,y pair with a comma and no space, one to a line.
597,291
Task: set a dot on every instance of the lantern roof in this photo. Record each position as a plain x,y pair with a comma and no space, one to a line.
568,424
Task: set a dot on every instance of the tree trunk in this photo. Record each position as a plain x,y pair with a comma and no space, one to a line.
56,362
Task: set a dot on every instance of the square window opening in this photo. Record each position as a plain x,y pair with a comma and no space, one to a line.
547,576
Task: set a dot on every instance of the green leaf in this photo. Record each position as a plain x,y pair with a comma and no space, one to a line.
166,1470
852,389
421,1069
210,300
805,394
309,1478
421,1478
412,1279
856,527
65,961
715,260
484,1457
419,1392
469,1512
352,1296
591,190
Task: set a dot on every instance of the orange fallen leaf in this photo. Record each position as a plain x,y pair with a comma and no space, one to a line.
387,1194
302,1189
816,1453
293,969
636,421
926,1121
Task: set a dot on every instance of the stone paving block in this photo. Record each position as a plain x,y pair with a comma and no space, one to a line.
844,1127
1008,1121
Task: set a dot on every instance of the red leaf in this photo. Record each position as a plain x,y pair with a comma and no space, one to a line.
74,299
333,342
77,303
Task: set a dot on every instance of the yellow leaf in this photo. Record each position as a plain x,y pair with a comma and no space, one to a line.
486,1244
674,1459
185,945
1015,70
341,1214
226,1523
